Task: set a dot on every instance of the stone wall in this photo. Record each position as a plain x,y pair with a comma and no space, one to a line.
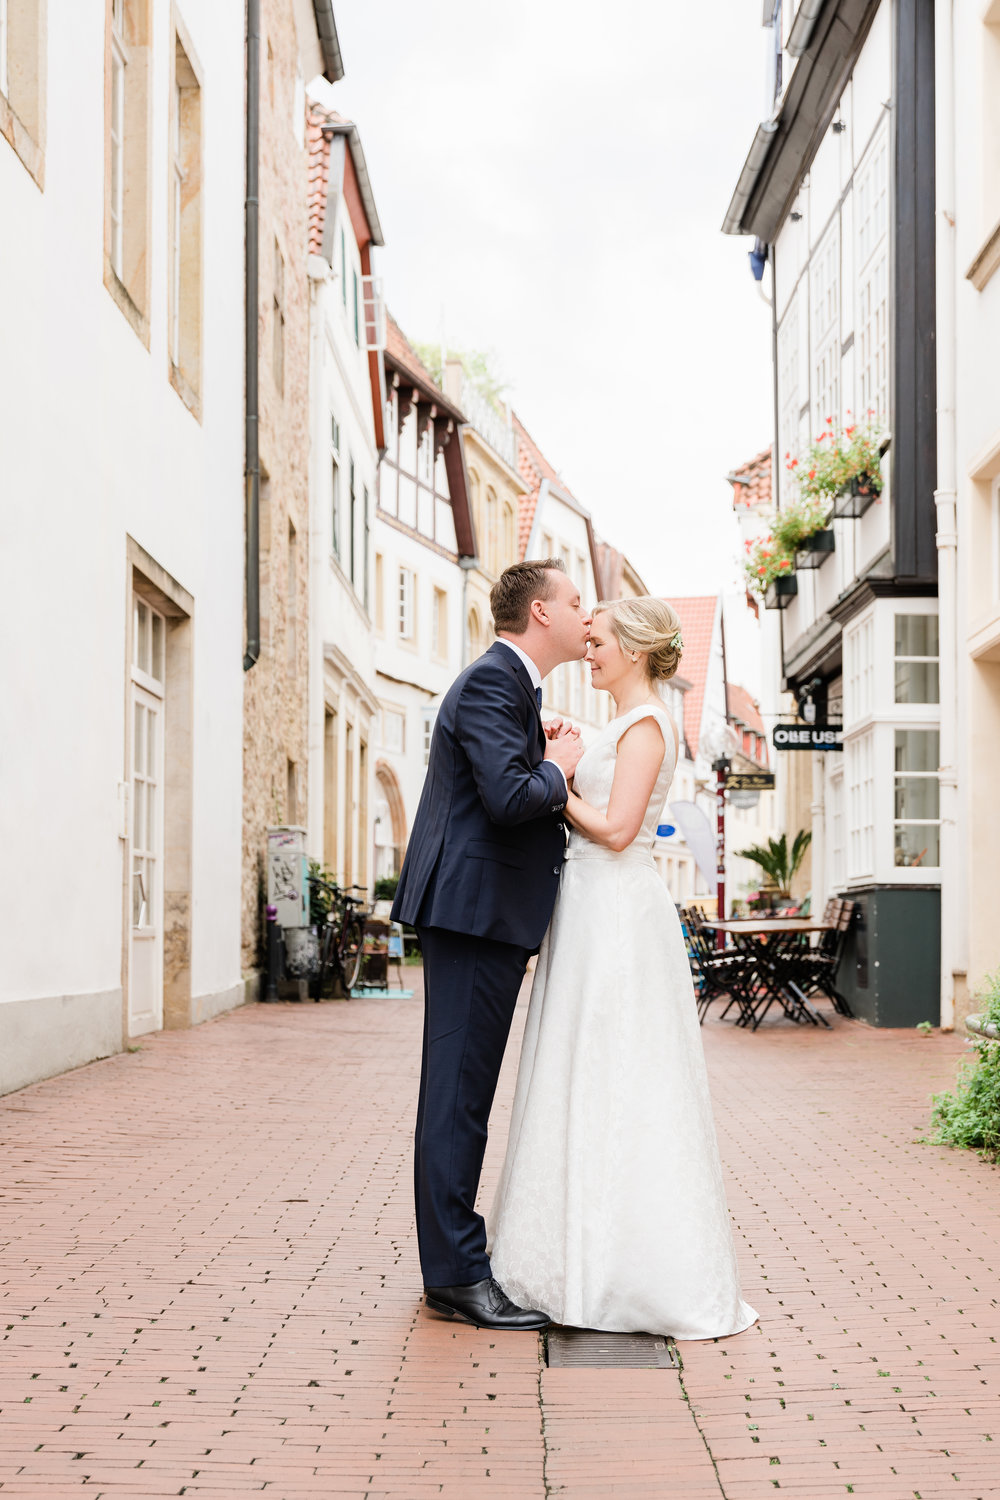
275,698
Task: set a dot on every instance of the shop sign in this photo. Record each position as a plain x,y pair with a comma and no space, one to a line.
808,737
750,781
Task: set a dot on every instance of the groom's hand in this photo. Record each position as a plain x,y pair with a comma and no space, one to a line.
565,751
556,727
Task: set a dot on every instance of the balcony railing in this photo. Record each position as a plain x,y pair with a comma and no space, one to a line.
493,425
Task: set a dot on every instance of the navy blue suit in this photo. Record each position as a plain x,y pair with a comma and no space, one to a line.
479,882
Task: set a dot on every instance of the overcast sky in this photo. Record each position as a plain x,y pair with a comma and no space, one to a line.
551,178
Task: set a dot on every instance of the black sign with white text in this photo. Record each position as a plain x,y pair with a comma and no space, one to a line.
808,737
749,781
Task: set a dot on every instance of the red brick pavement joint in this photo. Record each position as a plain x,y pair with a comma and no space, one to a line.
210,1286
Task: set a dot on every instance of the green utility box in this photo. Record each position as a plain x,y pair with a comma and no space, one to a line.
890,969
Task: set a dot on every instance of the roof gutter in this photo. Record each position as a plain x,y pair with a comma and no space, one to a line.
758,154
802,27
326,26
350,132
250,423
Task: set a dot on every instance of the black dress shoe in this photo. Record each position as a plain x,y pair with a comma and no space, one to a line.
485,1304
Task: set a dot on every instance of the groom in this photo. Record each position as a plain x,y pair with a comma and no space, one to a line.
479,883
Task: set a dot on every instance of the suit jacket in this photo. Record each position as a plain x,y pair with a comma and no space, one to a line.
488,842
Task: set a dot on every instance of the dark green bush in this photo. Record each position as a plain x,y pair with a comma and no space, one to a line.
970,1116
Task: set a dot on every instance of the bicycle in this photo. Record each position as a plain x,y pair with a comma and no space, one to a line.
341,938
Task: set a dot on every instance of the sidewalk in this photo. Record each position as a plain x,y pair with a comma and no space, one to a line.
210,1286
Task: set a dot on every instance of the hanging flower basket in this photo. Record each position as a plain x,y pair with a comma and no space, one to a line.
814,550
781,591
855,498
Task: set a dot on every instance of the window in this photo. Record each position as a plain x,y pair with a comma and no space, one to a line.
825,297
788,382
335,485
366,547
917,798
278,320
185,229
4,86
837,851
429,715
148,641
871,210
405,602
357,311
291,793
492,536
859,671
379,592
425,456
509,536
22,80
439,624
352,540
916,659
291,601
343,268
392,729
127,160
859,754
117,133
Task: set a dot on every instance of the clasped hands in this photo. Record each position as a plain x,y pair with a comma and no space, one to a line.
563,745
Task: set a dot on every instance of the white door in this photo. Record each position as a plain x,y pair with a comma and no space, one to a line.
145,990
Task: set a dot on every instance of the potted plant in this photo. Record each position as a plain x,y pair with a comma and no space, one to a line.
801,529
778,862
844,466
769,572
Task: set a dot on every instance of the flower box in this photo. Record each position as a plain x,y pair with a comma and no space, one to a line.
813,551
781,592
855,498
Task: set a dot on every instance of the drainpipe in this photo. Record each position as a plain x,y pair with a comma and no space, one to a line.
466,564
252,450
945,502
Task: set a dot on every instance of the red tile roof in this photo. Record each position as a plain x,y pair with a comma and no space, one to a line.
743,708
533,467
697,615
756,490
398,346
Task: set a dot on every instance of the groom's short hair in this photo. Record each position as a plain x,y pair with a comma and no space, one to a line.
517,586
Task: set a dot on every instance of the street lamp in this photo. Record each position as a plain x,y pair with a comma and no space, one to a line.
719,744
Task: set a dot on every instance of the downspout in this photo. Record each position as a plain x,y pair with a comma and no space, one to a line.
252,449
946,504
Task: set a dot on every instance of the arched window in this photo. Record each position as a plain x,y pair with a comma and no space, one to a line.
509,536
475,629
475,504
492,540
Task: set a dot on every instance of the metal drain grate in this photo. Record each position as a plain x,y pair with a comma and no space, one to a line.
584,1349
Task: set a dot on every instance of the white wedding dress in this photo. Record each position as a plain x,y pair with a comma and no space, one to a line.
611,1210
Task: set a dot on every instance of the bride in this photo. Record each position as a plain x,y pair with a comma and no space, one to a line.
611,1211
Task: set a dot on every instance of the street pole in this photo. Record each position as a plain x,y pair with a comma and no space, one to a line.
721,768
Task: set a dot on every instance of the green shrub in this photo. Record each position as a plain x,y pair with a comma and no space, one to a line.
385,887
970,1116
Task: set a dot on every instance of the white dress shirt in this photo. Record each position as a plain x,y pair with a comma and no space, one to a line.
536,682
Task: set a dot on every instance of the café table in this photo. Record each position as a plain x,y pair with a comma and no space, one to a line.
771,946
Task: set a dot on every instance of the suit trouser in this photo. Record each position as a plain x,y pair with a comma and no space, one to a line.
470,990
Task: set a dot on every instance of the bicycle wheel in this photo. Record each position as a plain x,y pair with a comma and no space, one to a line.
327,962
351,951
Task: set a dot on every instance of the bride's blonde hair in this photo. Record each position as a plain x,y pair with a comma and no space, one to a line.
649,625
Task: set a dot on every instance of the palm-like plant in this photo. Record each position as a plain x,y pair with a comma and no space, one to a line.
776,860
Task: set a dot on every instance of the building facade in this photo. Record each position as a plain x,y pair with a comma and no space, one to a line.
297,43
424,549
830,192
121,166
347,430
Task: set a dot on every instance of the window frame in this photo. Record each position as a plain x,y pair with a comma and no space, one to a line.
335,467
406,593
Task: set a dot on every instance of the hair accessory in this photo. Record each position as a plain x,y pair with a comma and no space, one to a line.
675,642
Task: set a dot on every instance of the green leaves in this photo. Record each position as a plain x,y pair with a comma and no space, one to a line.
775,860
970,1117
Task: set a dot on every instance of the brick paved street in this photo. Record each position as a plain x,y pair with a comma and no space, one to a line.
210,1286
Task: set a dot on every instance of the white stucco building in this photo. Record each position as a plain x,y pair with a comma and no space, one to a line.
121,435
423,535
347,417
